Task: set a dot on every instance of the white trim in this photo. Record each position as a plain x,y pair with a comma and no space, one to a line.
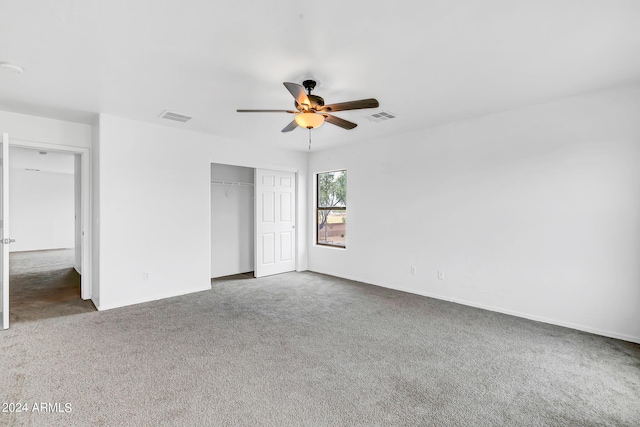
209,224
85,221
27,143
542,319
154,298
6,225
328,246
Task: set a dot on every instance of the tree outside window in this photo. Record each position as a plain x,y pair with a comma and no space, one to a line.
331,218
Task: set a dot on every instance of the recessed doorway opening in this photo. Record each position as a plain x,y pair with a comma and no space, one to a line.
45,261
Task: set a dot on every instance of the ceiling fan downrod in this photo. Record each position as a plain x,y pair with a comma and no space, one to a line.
309,85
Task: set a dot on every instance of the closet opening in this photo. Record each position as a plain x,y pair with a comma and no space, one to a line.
232,221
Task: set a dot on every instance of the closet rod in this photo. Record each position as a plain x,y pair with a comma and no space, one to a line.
231,183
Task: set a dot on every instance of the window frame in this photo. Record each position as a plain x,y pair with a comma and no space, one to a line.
325,208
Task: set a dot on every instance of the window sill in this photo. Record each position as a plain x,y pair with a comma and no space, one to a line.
320,245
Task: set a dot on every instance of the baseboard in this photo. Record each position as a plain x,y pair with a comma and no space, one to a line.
578,327
103,307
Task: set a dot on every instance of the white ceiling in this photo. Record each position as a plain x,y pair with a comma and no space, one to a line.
428,62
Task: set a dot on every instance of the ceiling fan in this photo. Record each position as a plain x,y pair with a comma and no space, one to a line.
311,112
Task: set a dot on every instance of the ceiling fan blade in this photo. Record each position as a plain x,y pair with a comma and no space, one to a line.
298,93
351,105
291,126
268,111
345,124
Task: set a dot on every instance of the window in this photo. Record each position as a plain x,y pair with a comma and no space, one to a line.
331,212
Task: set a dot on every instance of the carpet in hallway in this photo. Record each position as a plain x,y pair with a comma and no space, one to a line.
44,284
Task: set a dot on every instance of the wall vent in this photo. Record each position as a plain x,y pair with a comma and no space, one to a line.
381,116
175,117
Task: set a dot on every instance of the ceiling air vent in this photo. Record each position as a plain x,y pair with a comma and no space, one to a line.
175,117
381,116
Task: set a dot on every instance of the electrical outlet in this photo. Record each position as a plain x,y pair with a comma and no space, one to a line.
413,271
146,275
441,274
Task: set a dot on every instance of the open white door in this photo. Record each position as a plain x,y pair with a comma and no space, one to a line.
4,229
275,233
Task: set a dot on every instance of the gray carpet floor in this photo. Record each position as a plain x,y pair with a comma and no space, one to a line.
305,349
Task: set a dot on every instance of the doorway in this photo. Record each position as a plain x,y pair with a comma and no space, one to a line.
232,219
45,261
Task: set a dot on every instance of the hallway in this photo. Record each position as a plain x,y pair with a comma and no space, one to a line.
44,284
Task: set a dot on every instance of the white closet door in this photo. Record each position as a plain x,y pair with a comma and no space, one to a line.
275,201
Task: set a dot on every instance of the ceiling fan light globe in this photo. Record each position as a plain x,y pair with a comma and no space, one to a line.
309,120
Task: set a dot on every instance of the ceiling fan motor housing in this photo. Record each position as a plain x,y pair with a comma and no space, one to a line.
316,102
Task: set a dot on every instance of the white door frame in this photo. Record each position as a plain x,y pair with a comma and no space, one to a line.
85,208
6,233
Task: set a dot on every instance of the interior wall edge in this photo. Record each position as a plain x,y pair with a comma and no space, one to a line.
125,303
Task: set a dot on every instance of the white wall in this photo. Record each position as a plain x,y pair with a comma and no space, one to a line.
232,212
22,127
154,200
41,210
533,212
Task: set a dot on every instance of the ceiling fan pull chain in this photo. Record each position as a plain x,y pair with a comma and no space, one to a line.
309,139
